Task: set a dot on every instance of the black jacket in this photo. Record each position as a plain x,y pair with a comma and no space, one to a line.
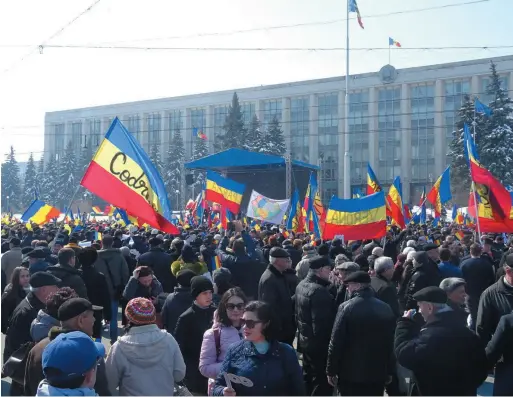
460,311
9,303
295,255
189,331
18,331
424,275
275,288
479,275
246,272
386,292
496,301
70,277
175,305
315,314
361,348
445,356
97,291
160,262
499,351
390,249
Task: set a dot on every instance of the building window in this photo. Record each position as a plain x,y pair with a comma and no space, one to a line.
220,113
328,120
389,131
95,133
359,136
76,135
133,125
454,96
272,108
199,122
154,128
248,111
485,82
175,120
59,138
299,128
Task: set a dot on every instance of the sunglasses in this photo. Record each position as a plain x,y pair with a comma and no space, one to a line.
233,306
249,323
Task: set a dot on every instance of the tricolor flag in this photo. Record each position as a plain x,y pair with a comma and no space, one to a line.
198,133
407,214
356,219
391,41
315,213
39,212
69,216
122,173
422,204
353,7
295,220
440,193
225,191
395,200
373,186
97,211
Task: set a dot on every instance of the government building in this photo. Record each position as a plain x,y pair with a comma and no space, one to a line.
400,120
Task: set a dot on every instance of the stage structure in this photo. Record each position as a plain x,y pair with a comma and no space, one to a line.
273,176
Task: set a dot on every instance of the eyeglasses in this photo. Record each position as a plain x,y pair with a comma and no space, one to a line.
249,323
233,306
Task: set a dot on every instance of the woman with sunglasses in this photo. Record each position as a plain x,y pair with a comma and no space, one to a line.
225,332
259,365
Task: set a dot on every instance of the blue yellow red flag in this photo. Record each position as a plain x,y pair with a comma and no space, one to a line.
315,213
39,212
224,191
353,7
373,185
295,220
123,174
395,201
440,193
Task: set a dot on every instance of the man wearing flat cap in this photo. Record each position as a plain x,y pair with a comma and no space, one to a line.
277,287
361,350
446,358
454,287
37,261
315,313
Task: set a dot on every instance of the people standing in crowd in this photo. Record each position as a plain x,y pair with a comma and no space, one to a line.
446,358
12,258
14,293
315,314
37,261
177,302
295,254
479,275
275,288
496,301
382,283
446,266
425,274
499,352
75,314
456,296
343,268
66,271
190,327
158,260
147,360
112,264
143,284
70,366
270,366
225,331
97,289
303,266
130,260
188,260
361,359
222,279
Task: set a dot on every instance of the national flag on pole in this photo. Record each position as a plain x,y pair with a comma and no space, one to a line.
422,204
395,200
122,173
356,219
39,212
295,220
313,207
224,191
480,107
440,193
373,186
391,42
407,214
353,7
198,133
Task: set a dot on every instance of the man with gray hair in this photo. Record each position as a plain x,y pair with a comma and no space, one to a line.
411,243
454,287
343,268
381,283
303,266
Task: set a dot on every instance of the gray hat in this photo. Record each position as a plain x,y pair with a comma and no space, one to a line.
277,252
451,283
348,266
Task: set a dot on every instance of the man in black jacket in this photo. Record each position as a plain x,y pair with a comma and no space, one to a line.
277,288
65,270
445,356
499,352
179,301
315,313
160,263
361,350
425,274
383,287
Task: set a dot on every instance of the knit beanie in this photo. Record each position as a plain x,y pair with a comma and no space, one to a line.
184,277
200,284
140,311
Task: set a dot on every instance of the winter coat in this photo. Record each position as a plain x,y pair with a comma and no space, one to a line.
70,277
445,356
460,311
134,289
113,259
275,289
315,314
210,361
174,306
390,248
45,389
303,266
246,272
39,266
34,367
385,291
275,373
41,325
18,330
499,352
159,262
337,250
478,275
357,352
98,293
295,255
197,267
424,275
147,361
9,303
10,260
447,269
496,301
189,332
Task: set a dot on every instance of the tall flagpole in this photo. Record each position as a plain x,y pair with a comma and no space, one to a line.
473,185
347,158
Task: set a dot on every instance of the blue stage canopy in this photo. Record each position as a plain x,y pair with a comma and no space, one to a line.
241,158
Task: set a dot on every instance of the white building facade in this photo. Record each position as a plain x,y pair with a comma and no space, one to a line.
400,121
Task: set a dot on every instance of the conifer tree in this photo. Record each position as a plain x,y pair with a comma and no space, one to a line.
255,137
234,129
200,150
274,139
40,176
172,176
66,177
29,183
156,159
51,189
11,184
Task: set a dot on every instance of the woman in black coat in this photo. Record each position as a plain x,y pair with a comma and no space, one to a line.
13,294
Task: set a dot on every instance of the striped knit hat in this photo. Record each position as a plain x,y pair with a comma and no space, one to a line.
140,311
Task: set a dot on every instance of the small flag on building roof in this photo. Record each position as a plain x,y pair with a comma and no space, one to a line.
391,41
353,7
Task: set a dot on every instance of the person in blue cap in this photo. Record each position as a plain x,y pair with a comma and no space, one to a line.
69,365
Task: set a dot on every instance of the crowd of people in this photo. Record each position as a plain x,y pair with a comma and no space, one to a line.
255,312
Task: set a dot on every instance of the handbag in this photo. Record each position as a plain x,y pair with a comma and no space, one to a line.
181,390
15,365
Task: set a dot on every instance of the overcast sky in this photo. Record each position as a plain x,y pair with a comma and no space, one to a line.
65,78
